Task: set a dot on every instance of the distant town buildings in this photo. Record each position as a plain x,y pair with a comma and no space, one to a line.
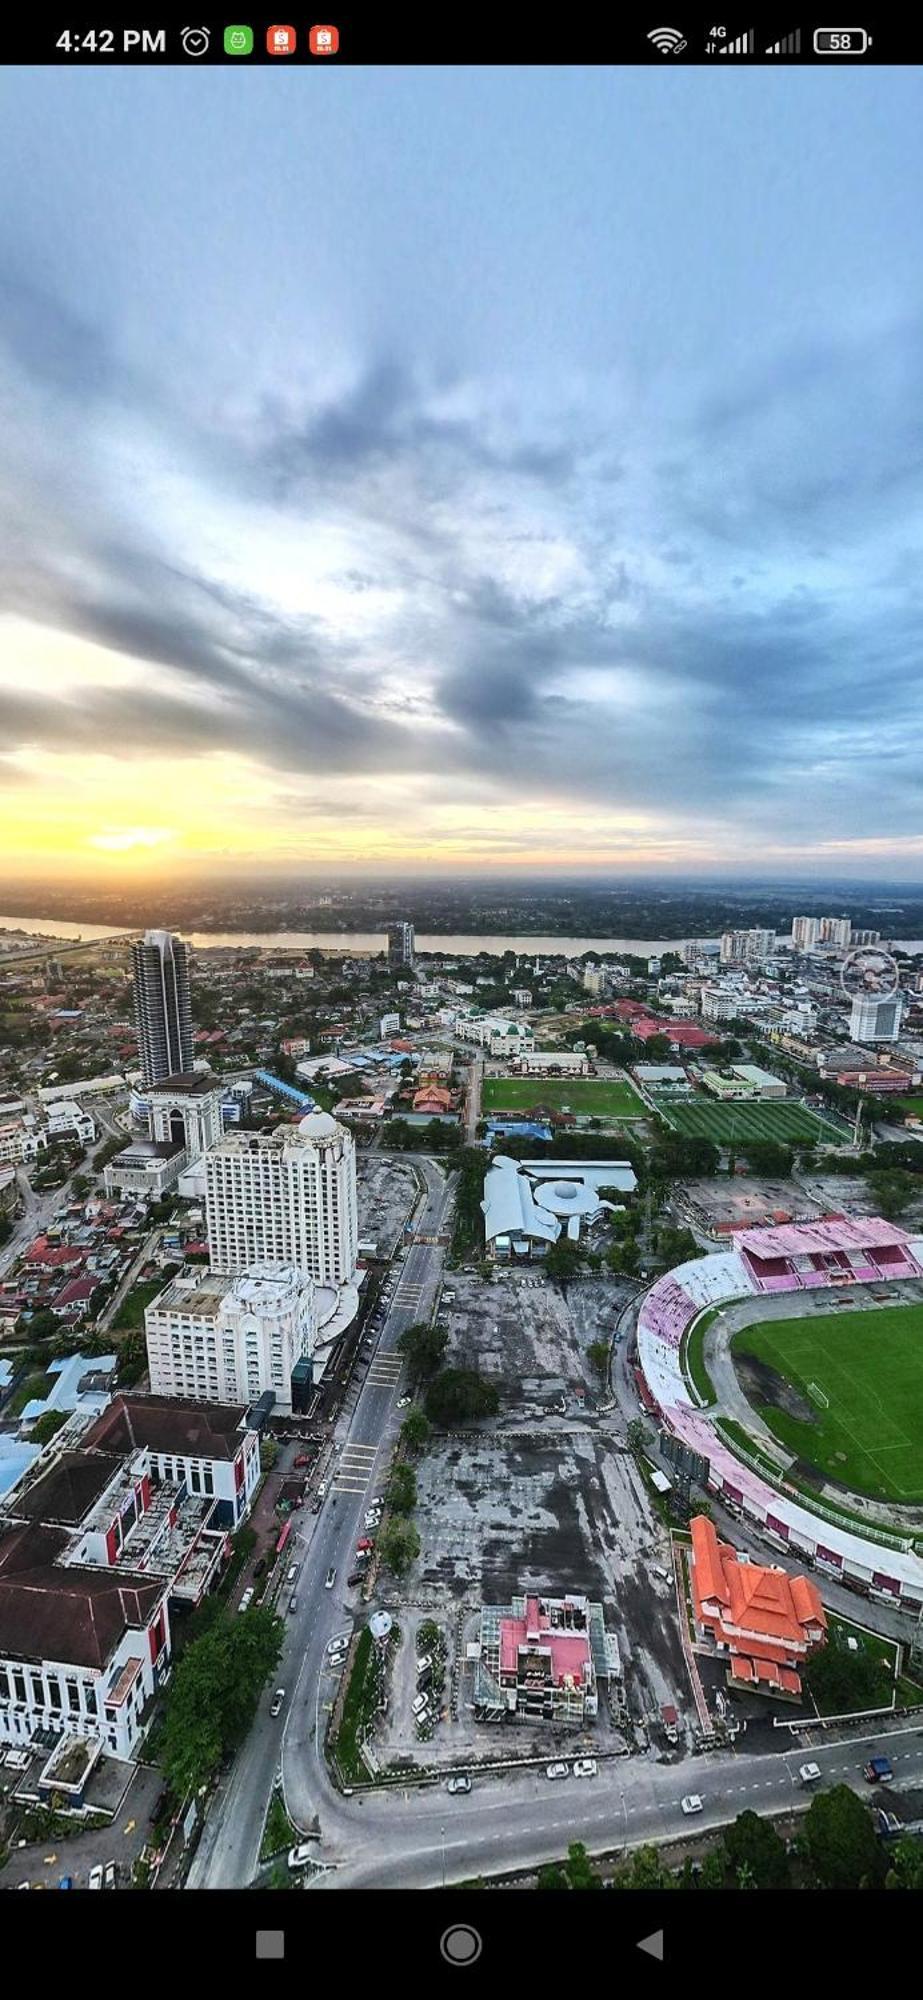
163,1013
747,947
811,933
287,1197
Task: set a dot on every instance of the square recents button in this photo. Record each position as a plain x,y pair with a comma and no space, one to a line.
270,1944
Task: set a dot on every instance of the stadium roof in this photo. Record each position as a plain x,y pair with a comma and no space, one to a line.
800,1239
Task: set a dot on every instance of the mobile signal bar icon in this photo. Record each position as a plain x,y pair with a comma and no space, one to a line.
743,45
668,40
789,45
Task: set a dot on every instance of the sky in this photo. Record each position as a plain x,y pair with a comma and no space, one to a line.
461,472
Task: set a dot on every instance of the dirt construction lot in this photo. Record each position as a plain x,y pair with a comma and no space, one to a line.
536,1500
387,1190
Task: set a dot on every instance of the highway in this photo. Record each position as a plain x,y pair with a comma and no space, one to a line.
229,1847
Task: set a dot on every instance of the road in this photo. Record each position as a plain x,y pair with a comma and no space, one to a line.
228,1850
473,1098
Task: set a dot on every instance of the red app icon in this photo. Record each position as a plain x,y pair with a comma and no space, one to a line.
324,41
281,41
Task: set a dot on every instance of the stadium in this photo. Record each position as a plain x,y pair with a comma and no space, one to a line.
780,1120
793,1366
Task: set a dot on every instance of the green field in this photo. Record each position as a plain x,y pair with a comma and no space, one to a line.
870,1366
586,1096
912,1104
779,1119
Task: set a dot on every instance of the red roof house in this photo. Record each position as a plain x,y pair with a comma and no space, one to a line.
767,1621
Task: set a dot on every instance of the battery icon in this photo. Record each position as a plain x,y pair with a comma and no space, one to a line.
841,41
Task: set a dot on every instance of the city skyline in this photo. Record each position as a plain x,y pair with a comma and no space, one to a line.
461,472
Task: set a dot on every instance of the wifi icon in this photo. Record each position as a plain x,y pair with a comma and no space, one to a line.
668,40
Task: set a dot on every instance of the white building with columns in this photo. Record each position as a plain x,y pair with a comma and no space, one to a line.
230,1339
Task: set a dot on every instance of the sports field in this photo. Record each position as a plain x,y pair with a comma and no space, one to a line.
869,1365
779,1119
586,1096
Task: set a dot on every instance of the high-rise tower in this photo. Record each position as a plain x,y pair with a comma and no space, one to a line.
163,1014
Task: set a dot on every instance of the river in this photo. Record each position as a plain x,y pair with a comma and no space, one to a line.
462,944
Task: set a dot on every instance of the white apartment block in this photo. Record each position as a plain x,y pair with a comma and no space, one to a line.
285,1197
554,1062
229,1340
495,1033
749,946
20,1141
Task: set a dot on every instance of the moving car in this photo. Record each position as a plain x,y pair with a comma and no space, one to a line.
298,1857
584,1767
691,1803
96,1877
809,1774
247,1599
461,1783
878,1771
278,1701
557,1770
330,1578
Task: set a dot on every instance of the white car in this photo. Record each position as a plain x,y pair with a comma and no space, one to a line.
246,1600
278,1702
462,1783
809,1774
584,1767
373,1517
403,1401
291,1573
330,1578
420,1704
298,1857
557,1770
691,1803
96,1877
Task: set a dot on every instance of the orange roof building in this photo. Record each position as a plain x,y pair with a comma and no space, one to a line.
767,1621
433,1097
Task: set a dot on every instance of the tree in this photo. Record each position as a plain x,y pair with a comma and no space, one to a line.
637,1435
415,1430
457,1395
892,1190
43,1324
81,1185
563,1258
645,1870
756,1853
213,1695
598,1357
764,1156
839,1842
399,1546
579,1869
552,1877
905,1865
46,1426
424,1347
840,1680
402,1489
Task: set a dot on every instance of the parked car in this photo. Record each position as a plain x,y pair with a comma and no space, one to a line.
809,1774
557,1770
420,1704
330,1578
304,1458
298,1857
278,1702
293,1604
247,1599
403,1401
691,1803
425,1660
355,1577
364,1547
112,1874
96,1877
336,1659
291,1573
372,1519
461,1783
584,1767
322,1490
66,1882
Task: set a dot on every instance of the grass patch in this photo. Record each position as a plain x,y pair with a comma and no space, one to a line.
131,1311
358,1709
586,1096
869,1365
780,1120
35,1388
694,1356
278,1833
740,1440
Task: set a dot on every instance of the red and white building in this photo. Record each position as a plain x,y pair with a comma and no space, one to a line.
94,1547
543,1658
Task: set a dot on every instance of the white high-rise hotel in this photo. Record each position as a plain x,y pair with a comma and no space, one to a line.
285,1197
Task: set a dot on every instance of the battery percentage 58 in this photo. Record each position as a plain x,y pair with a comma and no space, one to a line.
841,41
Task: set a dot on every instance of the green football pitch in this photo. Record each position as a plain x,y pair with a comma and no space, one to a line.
869,1366
779,1119
586,1096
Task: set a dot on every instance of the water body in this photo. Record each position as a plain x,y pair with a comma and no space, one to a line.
459,945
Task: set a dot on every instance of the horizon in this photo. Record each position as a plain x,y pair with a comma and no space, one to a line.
549,513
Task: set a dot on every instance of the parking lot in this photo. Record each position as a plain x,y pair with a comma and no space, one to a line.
42,1862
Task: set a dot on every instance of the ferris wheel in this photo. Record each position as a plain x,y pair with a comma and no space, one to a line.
868,969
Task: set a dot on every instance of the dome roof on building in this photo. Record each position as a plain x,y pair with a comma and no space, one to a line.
319,1125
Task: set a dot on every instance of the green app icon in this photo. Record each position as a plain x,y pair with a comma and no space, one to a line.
238,41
